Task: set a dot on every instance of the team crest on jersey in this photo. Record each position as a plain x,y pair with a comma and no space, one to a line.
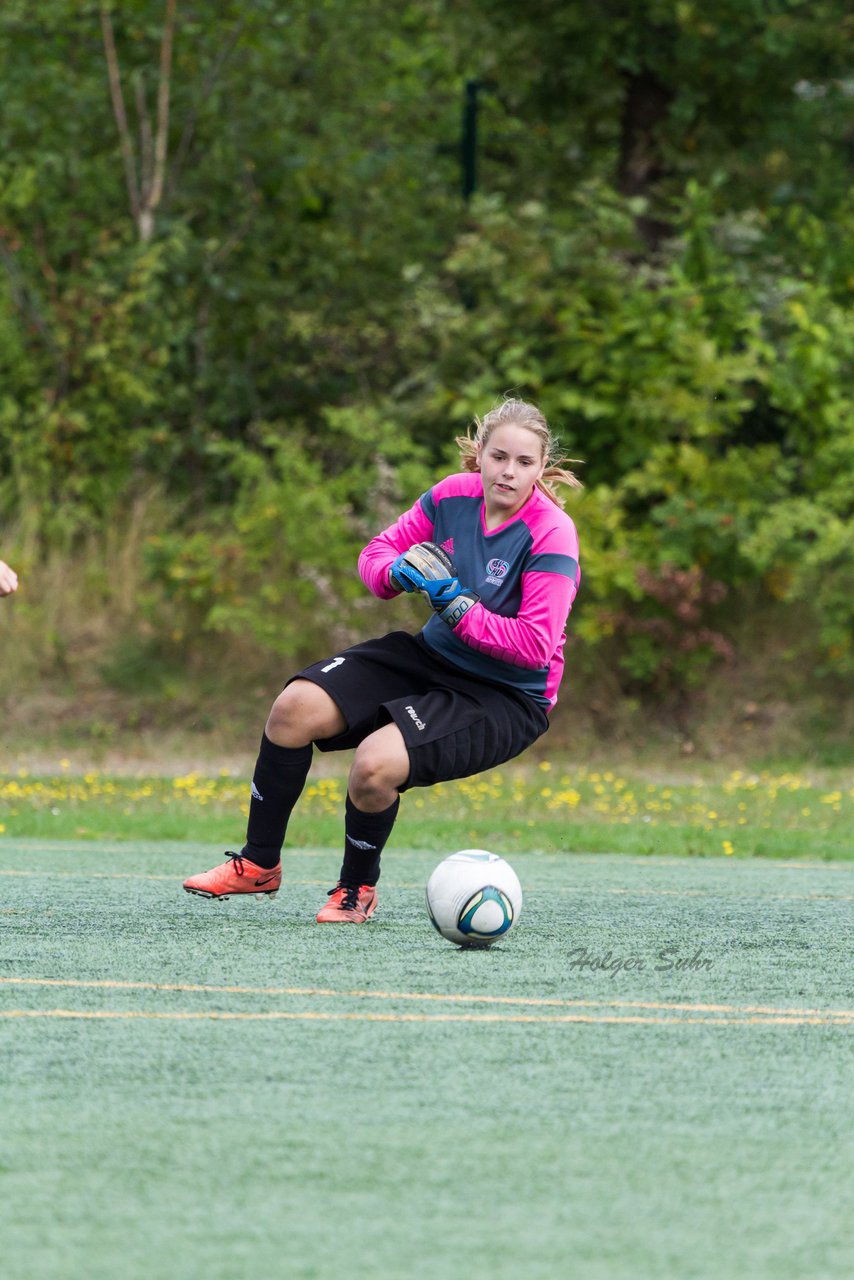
496,571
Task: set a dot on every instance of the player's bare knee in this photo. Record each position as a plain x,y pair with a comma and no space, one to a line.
302,713
283,719
378,772
369,779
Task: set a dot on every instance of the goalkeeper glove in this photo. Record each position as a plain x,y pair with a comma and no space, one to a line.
425,562
450,601
426,568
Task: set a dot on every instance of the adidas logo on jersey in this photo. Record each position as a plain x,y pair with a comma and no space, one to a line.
448,545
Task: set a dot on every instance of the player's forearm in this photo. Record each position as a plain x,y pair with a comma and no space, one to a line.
530,639
373,570
377,557
507,639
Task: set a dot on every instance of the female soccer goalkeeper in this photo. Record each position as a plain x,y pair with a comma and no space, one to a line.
496,558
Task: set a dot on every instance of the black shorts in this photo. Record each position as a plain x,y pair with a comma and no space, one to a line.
453,724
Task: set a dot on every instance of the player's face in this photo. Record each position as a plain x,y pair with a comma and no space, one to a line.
510,463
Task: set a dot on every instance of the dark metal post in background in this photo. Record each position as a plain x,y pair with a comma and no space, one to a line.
468,147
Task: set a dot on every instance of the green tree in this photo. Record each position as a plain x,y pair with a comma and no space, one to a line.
651,94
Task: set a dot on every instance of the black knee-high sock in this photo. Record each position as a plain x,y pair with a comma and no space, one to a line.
364,838
280,774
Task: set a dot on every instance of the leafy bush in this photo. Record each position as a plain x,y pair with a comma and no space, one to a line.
277,563
709,394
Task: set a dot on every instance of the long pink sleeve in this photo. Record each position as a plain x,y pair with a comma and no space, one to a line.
532,637
374,562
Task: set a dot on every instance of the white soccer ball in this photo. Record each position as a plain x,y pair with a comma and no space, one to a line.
474,898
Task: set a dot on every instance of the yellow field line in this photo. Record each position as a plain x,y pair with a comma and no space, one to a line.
89,875
452,998
571,889
281,1015
119,847
705,893
127,875
732,892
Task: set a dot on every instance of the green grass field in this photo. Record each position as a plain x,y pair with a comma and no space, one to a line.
223,1090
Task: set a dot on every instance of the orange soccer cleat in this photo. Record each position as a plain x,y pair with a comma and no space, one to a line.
348,904
237,875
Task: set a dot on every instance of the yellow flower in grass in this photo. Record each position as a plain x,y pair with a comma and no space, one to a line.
568,797
727,847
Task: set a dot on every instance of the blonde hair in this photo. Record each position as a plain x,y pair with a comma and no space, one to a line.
520,414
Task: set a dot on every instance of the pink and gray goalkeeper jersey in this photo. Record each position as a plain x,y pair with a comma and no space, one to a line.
525,572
